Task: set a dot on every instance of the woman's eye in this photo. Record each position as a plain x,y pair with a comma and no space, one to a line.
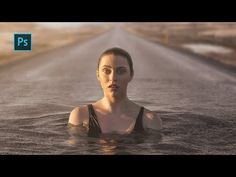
106,71
121,71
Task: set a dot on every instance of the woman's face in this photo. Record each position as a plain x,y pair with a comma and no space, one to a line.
114,75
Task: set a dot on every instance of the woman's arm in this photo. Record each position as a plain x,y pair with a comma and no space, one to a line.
77,116
152,120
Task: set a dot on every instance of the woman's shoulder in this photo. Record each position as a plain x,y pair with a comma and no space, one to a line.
152,119
78,115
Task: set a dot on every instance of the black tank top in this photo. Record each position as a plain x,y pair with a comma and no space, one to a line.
95,129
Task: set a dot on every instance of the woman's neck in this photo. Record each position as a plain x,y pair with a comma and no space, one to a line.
115,105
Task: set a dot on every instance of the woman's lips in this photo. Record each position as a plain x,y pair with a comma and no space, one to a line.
113,86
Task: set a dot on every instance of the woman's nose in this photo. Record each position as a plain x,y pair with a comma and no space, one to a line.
113,76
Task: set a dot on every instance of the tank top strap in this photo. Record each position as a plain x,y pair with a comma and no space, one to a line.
138,127
94,127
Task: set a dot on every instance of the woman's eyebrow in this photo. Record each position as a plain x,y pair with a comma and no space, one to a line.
122,67
108,66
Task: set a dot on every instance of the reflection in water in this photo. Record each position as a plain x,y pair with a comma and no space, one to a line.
111,143
76,133
108,146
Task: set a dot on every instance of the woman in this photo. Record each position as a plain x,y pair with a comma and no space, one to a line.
114,112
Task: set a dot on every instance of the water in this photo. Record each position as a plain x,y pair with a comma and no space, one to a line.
197,119
183,133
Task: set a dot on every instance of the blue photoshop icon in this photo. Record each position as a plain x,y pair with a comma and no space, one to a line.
22,42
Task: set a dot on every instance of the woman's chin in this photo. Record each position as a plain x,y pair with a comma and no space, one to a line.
114,94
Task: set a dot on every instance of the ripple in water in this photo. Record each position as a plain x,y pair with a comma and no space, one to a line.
183,133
